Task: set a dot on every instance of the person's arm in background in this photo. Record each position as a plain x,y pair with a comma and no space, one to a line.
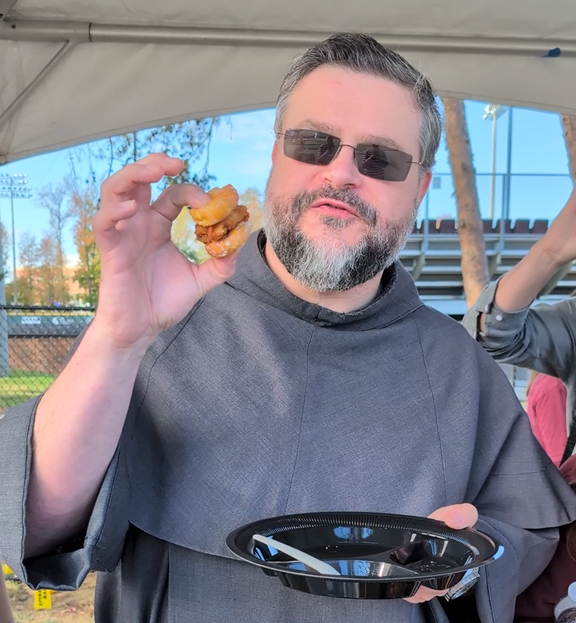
520,286
543,337
147,285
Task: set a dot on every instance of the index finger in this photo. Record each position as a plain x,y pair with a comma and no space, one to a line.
178,196
147,171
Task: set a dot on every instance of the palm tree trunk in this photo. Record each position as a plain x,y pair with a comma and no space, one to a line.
475,275
569,124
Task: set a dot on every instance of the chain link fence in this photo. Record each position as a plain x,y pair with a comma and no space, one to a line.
34,341
515,196
34,344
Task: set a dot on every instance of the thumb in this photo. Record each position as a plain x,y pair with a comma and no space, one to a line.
456,516
214,272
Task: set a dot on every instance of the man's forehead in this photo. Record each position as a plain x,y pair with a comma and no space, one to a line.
340,101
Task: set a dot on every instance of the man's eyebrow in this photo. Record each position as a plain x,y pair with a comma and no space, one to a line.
318,126
371,139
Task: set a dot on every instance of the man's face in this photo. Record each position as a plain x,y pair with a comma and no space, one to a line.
332,227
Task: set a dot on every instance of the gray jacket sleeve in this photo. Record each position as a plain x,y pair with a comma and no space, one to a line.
541,338
520,495
62,570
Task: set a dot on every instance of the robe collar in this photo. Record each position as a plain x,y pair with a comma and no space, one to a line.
398,295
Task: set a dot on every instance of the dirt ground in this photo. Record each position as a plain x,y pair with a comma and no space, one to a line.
69,607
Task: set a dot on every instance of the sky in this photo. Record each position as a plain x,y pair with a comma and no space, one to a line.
240,155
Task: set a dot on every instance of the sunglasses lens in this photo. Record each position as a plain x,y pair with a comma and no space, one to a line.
374,161
383,164
310,147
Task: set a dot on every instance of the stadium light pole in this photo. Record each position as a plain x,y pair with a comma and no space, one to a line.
4,351
14,186
493,111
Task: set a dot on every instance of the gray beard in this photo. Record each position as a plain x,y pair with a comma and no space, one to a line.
321,267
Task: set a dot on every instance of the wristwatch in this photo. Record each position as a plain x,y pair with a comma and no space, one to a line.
466,583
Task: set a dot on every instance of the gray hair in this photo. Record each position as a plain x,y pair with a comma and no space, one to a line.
363,54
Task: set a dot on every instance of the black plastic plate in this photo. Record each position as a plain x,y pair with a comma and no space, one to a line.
378,556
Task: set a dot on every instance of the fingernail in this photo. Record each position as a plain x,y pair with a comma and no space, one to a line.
459,519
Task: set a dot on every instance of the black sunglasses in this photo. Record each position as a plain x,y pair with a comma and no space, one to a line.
381,163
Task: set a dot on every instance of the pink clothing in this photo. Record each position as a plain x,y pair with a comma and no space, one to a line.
546,407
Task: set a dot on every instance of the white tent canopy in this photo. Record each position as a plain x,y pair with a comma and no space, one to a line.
77,70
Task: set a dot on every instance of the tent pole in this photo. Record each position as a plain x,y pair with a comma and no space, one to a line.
33,30
21,97
5,7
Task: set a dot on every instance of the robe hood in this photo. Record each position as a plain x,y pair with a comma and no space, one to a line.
398,295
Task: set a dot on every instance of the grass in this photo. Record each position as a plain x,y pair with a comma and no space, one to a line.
69,607
20,386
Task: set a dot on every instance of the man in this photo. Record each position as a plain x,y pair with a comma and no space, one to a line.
304,375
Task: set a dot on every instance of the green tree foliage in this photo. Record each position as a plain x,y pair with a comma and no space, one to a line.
5,242
55,285
83,206
39,279
29,258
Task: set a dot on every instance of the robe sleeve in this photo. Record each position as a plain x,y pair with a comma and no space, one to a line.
520,495
493,460
522,512
542,337
102,544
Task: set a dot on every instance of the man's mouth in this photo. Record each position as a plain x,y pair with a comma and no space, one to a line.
334,208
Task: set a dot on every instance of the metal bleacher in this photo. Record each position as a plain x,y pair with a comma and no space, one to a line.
433,256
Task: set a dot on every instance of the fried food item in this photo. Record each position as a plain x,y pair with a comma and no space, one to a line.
221,224
224,200
230,243
216,232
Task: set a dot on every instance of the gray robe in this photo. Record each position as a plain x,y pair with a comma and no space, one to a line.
260,404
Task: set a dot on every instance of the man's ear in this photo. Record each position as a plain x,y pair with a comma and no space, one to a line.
274,150
424,186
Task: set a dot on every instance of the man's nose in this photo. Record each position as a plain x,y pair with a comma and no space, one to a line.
343,172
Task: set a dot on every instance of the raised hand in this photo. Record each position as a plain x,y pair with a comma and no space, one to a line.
520,286
147,285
